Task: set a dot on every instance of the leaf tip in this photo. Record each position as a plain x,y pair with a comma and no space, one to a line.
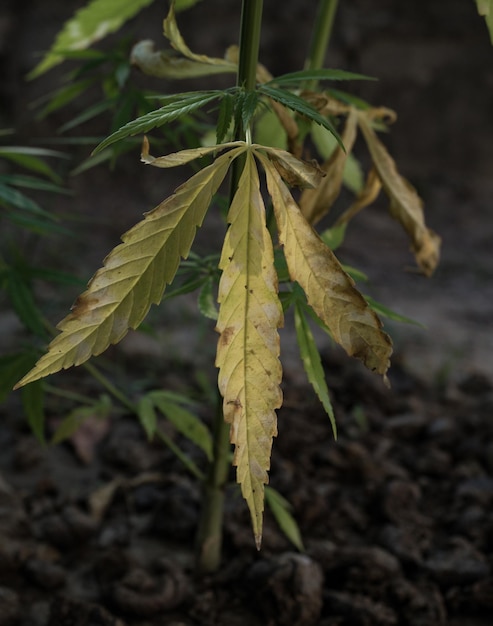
258,541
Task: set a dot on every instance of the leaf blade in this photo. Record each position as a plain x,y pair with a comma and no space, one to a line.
134,275
329,290
248,348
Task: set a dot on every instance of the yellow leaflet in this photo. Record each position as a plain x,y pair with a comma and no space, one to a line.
405,204
296,172
248,349
134,274
329,290
316,203
366,196
172,33
184,156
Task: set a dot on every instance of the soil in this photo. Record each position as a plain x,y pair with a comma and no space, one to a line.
396,515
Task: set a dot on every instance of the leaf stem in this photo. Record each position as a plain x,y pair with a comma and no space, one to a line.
320,38
109,386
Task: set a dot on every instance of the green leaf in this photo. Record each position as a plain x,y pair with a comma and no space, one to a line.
313,363
281,510
72,422
384,311
135,274
28,158
22,299
32,402
295,103
88,114
321,74
147,415
31,182
334,237
18,200
225,117
63,96
180,104
207,301
185,422
89,24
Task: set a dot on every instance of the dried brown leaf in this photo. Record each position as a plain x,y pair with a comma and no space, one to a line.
405,204
316,203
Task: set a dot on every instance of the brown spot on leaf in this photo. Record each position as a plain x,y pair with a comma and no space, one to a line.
227,335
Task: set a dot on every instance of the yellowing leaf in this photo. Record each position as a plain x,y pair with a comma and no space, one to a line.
172,33
168,64
316,203
184,156
329,290
405,204
134,274
248,348
294,171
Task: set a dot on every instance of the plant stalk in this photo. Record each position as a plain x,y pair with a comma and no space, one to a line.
320,39
210,531
209,538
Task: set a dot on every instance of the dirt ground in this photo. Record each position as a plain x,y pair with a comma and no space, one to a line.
396,516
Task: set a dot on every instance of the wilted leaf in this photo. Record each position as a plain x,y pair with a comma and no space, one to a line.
316,203
169,64
405,204
134,275
329,290
183,156
172,33
91,23
294,171
248,348
366,196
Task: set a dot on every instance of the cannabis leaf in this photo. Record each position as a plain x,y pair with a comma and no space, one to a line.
134,274
248,349
405,204
329,290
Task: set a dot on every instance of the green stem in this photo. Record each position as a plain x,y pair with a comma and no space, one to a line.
109,386
209,537
320,39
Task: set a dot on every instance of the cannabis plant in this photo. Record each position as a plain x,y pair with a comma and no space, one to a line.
272,257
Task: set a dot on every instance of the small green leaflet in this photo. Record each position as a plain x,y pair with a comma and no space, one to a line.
321,74
70,424
180,104
312,362
281,510
186,423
